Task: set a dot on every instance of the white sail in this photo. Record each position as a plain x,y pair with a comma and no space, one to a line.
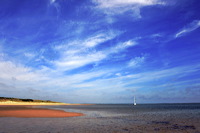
134,101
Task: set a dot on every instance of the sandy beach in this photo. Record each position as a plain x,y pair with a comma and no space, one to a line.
151,118
7,103
33,103
30,112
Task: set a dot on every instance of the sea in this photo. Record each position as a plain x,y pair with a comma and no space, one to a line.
112,118
105,110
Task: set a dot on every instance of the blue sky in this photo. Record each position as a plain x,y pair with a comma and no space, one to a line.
100,51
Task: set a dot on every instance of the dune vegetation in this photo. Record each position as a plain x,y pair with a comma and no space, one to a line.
20,101
10,99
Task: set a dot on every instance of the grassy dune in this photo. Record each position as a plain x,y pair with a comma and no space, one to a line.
18,101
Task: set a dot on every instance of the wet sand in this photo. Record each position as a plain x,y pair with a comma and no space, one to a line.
30,112
109,119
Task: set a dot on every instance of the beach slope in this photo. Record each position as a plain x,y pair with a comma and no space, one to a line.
29,112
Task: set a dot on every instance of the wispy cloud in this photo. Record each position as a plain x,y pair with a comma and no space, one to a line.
81,52
156,35
18,78
29,55
121,46
137,61
84,85
72,55
10,70
78,54
114,7
52,1
120,3
97,39
159,84
75,61
89,41
188,28
138,83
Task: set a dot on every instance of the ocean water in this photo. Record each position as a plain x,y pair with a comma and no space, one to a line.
127,109
112,118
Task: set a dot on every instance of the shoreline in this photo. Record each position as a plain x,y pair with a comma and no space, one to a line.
26,111
30,103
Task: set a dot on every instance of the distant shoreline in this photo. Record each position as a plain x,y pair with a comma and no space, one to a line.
31,103
37,103
20,101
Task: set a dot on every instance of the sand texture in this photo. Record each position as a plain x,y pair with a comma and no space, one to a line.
109,119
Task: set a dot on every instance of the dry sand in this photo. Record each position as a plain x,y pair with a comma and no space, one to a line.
29,112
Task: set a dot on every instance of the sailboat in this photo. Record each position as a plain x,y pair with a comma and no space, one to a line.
134,101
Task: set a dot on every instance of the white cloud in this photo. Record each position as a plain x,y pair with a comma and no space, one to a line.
83,57
21,78
118,74
80,53
136,62
172,73
140,80
121,46
52,1
156,35
75,61
188,28
80,84
29,55
10,70
89,42
114,7
96,40
120,3
121,83
68,62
